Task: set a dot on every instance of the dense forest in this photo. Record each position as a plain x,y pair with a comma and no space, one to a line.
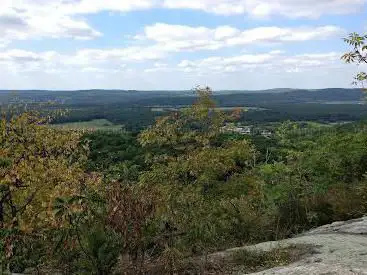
160,198
138,118
136,110
148,98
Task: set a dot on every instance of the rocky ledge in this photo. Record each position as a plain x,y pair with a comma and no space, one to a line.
338,248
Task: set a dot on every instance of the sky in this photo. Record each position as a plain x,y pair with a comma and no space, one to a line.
177,44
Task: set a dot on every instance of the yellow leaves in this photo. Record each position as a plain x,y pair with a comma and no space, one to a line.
189,128
164,132
188,142
44,164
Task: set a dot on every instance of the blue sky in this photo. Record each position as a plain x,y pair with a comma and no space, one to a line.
177,44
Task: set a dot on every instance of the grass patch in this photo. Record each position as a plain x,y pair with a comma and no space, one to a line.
241,261
96,125
254,261
247,261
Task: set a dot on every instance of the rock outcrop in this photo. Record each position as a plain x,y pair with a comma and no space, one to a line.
338,248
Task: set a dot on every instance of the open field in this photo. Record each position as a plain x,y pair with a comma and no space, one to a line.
161,109
95,124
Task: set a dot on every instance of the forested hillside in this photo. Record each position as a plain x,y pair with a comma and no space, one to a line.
151,98
135,110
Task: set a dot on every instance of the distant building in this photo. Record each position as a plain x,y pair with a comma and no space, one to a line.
244,130
266,133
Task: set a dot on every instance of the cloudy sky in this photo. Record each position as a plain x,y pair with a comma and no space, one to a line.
176,44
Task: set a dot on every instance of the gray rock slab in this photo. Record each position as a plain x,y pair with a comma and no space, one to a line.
339,248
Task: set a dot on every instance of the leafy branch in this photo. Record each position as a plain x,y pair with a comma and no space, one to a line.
358,55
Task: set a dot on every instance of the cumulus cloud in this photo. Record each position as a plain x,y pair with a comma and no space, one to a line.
261,8
114,56
227,64
33,19
24,19
289,8
95,6
186,38
26,61
29,19
313,60
24,26
85,60
117,60
113,69
272,61
20,56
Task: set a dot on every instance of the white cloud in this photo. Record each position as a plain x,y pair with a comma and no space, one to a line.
186,38
93,61
47,70
270,63
29,19
289,8
34,19
273,61
25,61
261,8
39,19
86,60
117,60
227,64
25,26
310,60
95,6
158,67
75,6
21,56
114,56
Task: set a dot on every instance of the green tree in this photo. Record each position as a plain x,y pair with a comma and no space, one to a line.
358,54
198,173
190,147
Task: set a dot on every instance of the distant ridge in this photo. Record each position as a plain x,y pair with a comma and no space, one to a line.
185,97
273,90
